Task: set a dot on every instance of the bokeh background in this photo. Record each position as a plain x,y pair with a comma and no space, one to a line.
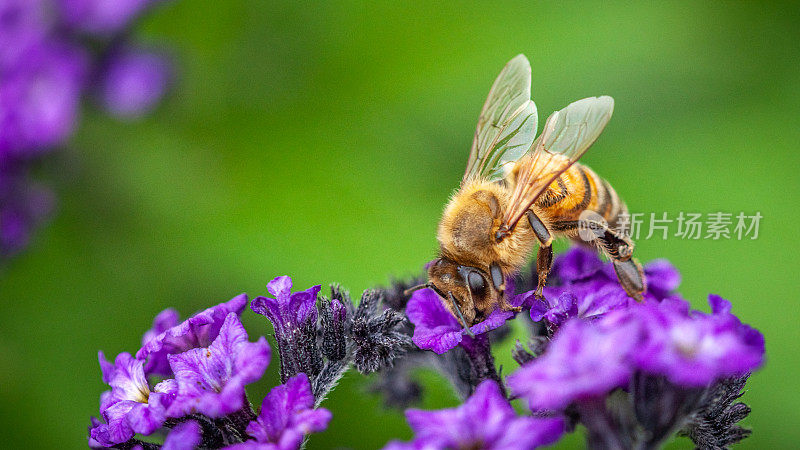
322,140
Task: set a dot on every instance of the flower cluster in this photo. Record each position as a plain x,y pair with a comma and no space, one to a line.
634,374
190,377
203,364
322,339
52,52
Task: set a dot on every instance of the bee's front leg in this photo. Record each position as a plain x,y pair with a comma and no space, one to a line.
499,282
505,306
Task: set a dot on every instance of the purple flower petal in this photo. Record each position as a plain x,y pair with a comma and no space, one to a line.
288,414
697,349
197,331
662,277
577,263
131,406
185,436
436,329
486,420
719,305
22,26
280,287
211,380
583,360
100,16
287,310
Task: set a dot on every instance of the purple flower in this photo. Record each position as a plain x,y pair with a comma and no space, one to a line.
294,318
168,337
589,288
584,360
22,25
133,81
435,328
287,310
100,16
287,415
185,436
485,421
130,406
696,349
587,359
39,98
211,379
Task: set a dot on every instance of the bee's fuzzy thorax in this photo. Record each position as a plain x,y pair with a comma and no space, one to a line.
469,222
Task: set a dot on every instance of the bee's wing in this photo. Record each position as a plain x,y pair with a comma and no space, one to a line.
566,136
507,124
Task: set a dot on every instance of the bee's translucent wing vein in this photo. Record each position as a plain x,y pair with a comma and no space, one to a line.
566,136
507,124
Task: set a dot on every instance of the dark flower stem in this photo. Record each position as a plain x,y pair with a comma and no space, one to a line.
137,442
662,408
479,352
603,431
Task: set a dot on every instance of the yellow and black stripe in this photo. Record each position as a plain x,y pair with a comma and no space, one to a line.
576,190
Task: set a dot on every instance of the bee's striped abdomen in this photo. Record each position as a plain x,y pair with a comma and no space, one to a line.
579,189
608,203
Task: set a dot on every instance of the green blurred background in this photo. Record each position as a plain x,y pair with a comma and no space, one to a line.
321,141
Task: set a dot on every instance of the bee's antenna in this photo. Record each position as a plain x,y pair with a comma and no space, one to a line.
415,288
460,316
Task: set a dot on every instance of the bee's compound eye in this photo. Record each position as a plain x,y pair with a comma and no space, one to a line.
476,282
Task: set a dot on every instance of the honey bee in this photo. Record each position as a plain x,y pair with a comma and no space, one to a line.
509,175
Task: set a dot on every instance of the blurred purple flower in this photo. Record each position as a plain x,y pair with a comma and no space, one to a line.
133,81
23,206
185,436
211,379
39,98
696,349
485,421
583,360
100,16
168,337
22,25
287,415
435,328
130,406
43,73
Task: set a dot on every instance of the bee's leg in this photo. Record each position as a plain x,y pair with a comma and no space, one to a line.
544,262
631,276
619,249
505,306
499,282
544,259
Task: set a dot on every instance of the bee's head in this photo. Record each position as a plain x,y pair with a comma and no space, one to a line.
466,291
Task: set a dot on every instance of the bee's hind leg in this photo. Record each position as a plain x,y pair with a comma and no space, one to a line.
619,249
631,277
